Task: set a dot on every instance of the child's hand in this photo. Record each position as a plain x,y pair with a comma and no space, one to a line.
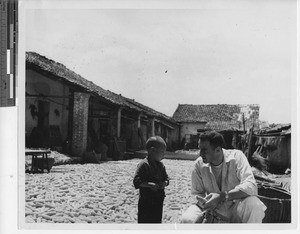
163,184
153,186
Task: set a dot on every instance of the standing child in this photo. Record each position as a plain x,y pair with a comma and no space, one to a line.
151,178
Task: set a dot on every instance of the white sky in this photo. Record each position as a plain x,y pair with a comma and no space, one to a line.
238,53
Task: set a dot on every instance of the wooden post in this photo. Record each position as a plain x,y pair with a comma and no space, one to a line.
159,130
140,134
153,127
249,144
139,120
244,123
179,136
119,122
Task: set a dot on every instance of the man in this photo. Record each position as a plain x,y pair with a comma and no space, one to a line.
224,185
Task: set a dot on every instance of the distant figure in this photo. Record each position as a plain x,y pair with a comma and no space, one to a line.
224,185
151,178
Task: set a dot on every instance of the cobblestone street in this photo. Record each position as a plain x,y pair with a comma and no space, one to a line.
100,193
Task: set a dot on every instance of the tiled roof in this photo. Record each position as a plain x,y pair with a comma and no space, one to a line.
217,117
38,62
223,125
150,110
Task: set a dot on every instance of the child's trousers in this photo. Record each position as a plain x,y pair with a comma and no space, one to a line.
150,210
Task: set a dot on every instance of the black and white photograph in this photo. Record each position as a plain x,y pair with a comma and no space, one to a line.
171,115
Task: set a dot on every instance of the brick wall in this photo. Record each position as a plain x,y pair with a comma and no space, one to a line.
80,122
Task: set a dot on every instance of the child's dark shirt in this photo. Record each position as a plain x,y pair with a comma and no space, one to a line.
150,172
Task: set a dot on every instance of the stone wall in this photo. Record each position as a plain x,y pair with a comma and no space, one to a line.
80,122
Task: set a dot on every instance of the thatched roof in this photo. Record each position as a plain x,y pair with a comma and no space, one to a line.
42,64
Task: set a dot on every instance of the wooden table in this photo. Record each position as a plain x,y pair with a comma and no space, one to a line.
35,153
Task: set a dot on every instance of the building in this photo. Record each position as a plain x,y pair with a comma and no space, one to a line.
221,117
67,111
274,144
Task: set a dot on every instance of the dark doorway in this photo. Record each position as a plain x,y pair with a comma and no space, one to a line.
43,115
39,136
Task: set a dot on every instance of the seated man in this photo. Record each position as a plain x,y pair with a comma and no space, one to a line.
223,183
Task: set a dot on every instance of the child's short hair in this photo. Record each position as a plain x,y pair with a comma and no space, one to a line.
155,141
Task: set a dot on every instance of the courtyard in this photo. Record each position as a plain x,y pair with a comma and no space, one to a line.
100,193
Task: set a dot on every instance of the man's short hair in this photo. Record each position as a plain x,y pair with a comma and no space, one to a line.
155,141
214,138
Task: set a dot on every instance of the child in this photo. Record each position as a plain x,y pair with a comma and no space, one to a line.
151,178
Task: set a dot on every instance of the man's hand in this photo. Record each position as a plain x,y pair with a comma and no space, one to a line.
201,201
213,200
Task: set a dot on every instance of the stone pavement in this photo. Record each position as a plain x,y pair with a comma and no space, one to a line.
100,193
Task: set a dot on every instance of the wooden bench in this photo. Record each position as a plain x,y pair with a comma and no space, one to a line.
36,153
